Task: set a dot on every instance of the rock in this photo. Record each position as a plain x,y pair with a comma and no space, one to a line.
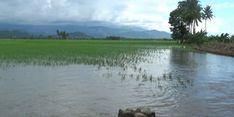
138,112
144,110
126,113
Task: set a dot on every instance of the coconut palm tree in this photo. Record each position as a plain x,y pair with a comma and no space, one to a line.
191,13
207,14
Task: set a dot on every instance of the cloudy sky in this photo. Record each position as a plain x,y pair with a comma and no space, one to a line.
151,14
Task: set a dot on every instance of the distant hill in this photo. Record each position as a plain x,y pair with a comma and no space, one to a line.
79,35
88,30
14,34
149,34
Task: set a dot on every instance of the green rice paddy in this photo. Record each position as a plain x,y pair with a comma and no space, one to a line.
54,52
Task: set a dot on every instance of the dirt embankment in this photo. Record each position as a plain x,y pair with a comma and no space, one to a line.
217,48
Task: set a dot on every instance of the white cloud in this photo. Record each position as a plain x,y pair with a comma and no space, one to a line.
215,25
222,20
151,14
45,11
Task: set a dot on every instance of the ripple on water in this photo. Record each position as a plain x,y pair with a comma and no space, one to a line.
169,81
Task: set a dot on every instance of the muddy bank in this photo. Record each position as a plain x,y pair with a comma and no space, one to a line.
217,48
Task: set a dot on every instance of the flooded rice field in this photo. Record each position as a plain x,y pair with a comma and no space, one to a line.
171,81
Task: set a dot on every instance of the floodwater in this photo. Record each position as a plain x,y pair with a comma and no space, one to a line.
170,81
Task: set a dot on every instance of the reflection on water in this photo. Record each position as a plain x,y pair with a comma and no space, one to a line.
172,82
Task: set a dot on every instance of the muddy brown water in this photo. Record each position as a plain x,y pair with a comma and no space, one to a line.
172,82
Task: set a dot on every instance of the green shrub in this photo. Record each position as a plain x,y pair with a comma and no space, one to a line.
213,38
113,37
197,38
232,38
224,37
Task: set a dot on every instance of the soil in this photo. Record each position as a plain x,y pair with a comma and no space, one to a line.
217,48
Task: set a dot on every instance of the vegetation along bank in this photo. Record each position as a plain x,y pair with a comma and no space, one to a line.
184,21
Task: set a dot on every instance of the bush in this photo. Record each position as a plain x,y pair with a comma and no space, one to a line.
224,37
232,38
198,38
213,38
113,38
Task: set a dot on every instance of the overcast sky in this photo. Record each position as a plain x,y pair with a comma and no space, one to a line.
151,14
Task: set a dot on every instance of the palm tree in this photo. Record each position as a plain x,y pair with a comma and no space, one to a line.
191,13
62,34
58,33
207,14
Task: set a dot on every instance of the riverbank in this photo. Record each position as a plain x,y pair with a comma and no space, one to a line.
226,49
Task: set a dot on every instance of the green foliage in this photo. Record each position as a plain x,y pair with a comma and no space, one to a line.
62,34
232,38
207,14
224,38
198,38
190,11
184,20
178,26
113,37
50,37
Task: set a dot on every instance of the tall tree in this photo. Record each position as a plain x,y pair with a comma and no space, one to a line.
178,27
186,17
58,33
62,34
207,15
191,13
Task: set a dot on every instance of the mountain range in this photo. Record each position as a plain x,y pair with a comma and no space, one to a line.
87,29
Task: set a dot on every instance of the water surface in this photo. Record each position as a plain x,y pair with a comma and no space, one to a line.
171,81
